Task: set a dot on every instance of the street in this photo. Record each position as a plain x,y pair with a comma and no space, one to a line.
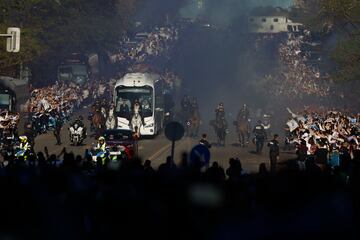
158,148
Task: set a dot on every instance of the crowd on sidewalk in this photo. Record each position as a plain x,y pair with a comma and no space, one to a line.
324,136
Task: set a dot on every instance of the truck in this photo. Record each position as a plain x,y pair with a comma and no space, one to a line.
7,99
74,69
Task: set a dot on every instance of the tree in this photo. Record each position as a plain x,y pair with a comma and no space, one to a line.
52,29
340,18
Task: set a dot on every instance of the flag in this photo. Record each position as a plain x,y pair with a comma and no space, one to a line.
292,125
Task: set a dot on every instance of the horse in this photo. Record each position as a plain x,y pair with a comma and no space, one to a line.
243,129
220,128
110,121
98,122
193,123
136,123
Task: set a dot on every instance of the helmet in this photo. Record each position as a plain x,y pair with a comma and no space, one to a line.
221,104
244,105
23,138
101,138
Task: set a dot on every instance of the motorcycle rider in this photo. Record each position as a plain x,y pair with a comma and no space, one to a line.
24,146
78,121
260,136
101,145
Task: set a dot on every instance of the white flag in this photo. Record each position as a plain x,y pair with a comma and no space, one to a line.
292,125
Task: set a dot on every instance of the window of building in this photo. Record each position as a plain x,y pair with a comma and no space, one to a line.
276,20
263,20
271,27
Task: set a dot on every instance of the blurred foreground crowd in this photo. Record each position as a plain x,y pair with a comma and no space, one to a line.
67,197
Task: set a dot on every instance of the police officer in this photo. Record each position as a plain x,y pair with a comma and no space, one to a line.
57,130
274,153
260,136
204,141
101,145
220,111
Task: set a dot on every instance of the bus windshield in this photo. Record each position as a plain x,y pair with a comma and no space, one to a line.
4,99
76,70
126,97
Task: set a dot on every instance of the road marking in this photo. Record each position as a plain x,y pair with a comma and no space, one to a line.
167,148
159,152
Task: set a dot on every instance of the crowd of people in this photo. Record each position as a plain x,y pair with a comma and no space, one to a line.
134,199
324,136
297,77
9,122
155,43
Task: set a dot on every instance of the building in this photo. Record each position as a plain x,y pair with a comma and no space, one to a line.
272,24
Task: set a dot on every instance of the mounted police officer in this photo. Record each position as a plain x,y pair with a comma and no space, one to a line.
260,136
220,111
244,112
220,124
185,108
243,125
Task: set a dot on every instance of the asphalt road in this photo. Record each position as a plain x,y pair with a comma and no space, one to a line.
158,148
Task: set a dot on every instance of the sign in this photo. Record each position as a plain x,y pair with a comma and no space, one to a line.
13,42
174,131
200,153
292,125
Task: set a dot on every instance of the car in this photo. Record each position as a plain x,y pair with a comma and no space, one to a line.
120,142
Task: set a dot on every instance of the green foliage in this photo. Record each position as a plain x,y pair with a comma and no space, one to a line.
341,17
347,56
55,28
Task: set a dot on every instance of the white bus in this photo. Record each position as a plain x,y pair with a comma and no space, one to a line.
146,88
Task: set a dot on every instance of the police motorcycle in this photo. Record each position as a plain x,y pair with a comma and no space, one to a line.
51,120
37,125
77,133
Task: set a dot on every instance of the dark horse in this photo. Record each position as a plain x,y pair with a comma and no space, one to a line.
193,123
243,129
220,127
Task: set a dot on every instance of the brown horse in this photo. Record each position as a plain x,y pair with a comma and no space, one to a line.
193,123
98,122
243,129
